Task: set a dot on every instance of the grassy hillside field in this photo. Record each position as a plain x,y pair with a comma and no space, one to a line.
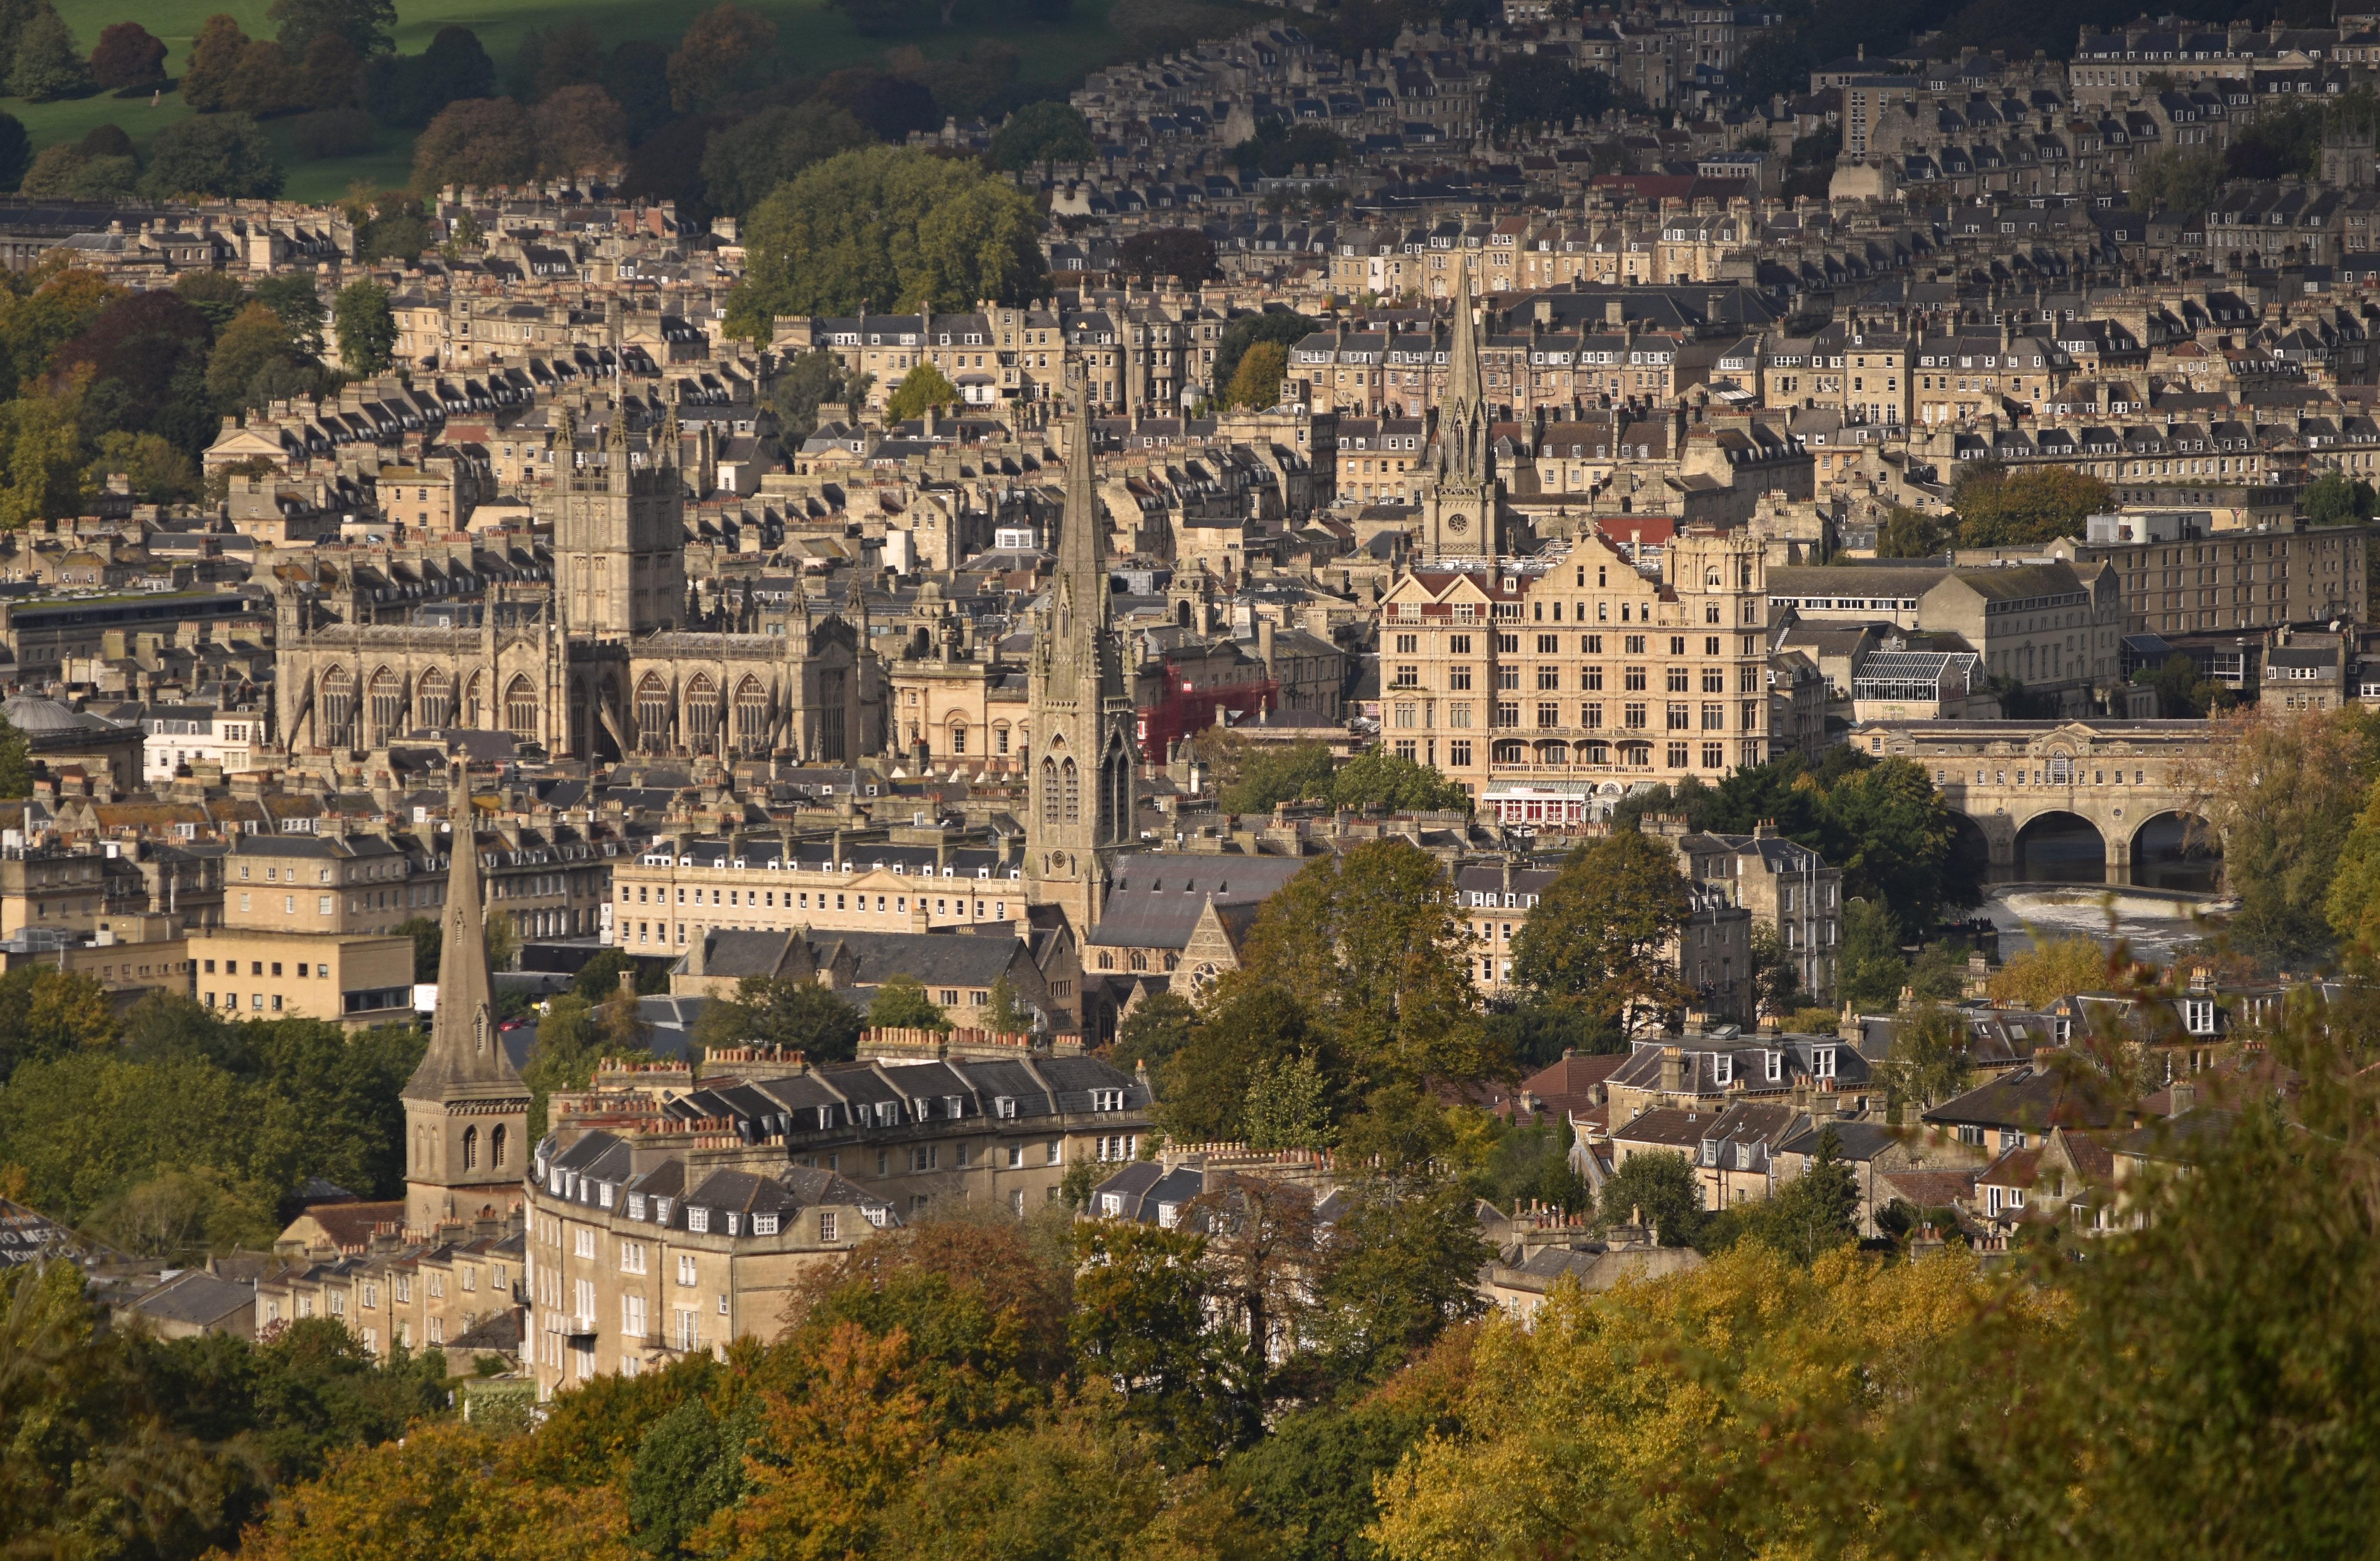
820,39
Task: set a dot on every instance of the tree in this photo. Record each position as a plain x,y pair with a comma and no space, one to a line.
43,438
410,90
1154,1032
1544,92
1272,325
479,142
1276,149
636,75
804,385
249,347
2182,180
920,388
802,1016
1601,937
16,761
1776,972
2335,499
1042,134
2183,693
571,56
48,64
2047,971
265,82
1657,1188
293,297
1378,778
1182,253
222,155
1288,1104
365,327
127,57
1908,533
579,130
721,53
1256,382
901,1003
1269,775
2281,792
893,228
1003,1014
1400,1267
502,946
1930,1061
1870,973
16,152
1140,1323
363,25
888,106
214,55
1996,509
1815,1213
1373,943
1891,832
429,944
745,160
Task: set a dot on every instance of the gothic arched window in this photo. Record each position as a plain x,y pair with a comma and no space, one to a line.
652,714
386,702
338,702
701,712
470,1149
520,708
434,698
496,1146
751,716
1049,791
1071,781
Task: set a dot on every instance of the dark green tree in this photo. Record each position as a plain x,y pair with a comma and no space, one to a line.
1600,936
365,326
215,154
1040,134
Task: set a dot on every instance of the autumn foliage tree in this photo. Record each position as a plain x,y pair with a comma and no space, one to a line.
721,52
127,55
2001,509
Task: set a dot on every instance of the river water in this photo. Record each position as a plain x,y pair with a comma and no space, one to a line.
2157,922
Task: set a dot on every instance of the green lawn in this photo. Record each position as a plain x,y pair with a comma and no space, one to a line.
816,38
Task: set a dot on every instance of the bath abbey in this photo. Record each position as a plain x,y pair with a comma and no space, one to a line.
597,649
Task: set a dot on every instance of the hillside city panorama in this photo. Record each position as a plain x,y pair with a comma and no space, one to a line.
1172,779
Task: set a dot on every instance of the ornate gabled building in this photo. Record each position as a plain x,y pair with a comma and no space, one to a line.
465,1107
596,652
1083,807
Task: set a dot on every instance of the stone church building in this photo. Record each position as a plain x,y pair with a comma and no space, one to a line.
600,650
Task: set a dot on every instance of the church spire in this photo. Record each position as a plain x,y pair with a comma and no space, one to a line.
1082,552
466,1054
1461,433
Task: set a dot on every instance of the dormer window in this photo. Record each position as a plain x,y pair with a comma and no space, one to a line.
1004,1107
1106,1100
1822,1062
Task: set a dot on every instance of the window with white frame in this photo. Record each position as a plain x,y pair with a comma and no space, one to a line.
685,1268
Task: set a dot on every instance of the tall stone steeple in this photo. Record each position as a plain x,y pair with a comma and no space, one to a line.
465,1107
1460,500
1083,807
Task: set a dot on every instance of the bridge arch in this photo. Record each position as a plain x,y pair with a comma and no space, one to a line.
2176,849
1969,865
2057,846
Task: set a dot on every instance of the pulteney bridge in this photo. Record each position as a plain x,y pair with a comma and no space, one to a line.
2074,801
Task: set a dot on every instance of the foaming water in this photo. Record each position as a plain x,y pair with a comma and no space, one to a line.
2157,923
